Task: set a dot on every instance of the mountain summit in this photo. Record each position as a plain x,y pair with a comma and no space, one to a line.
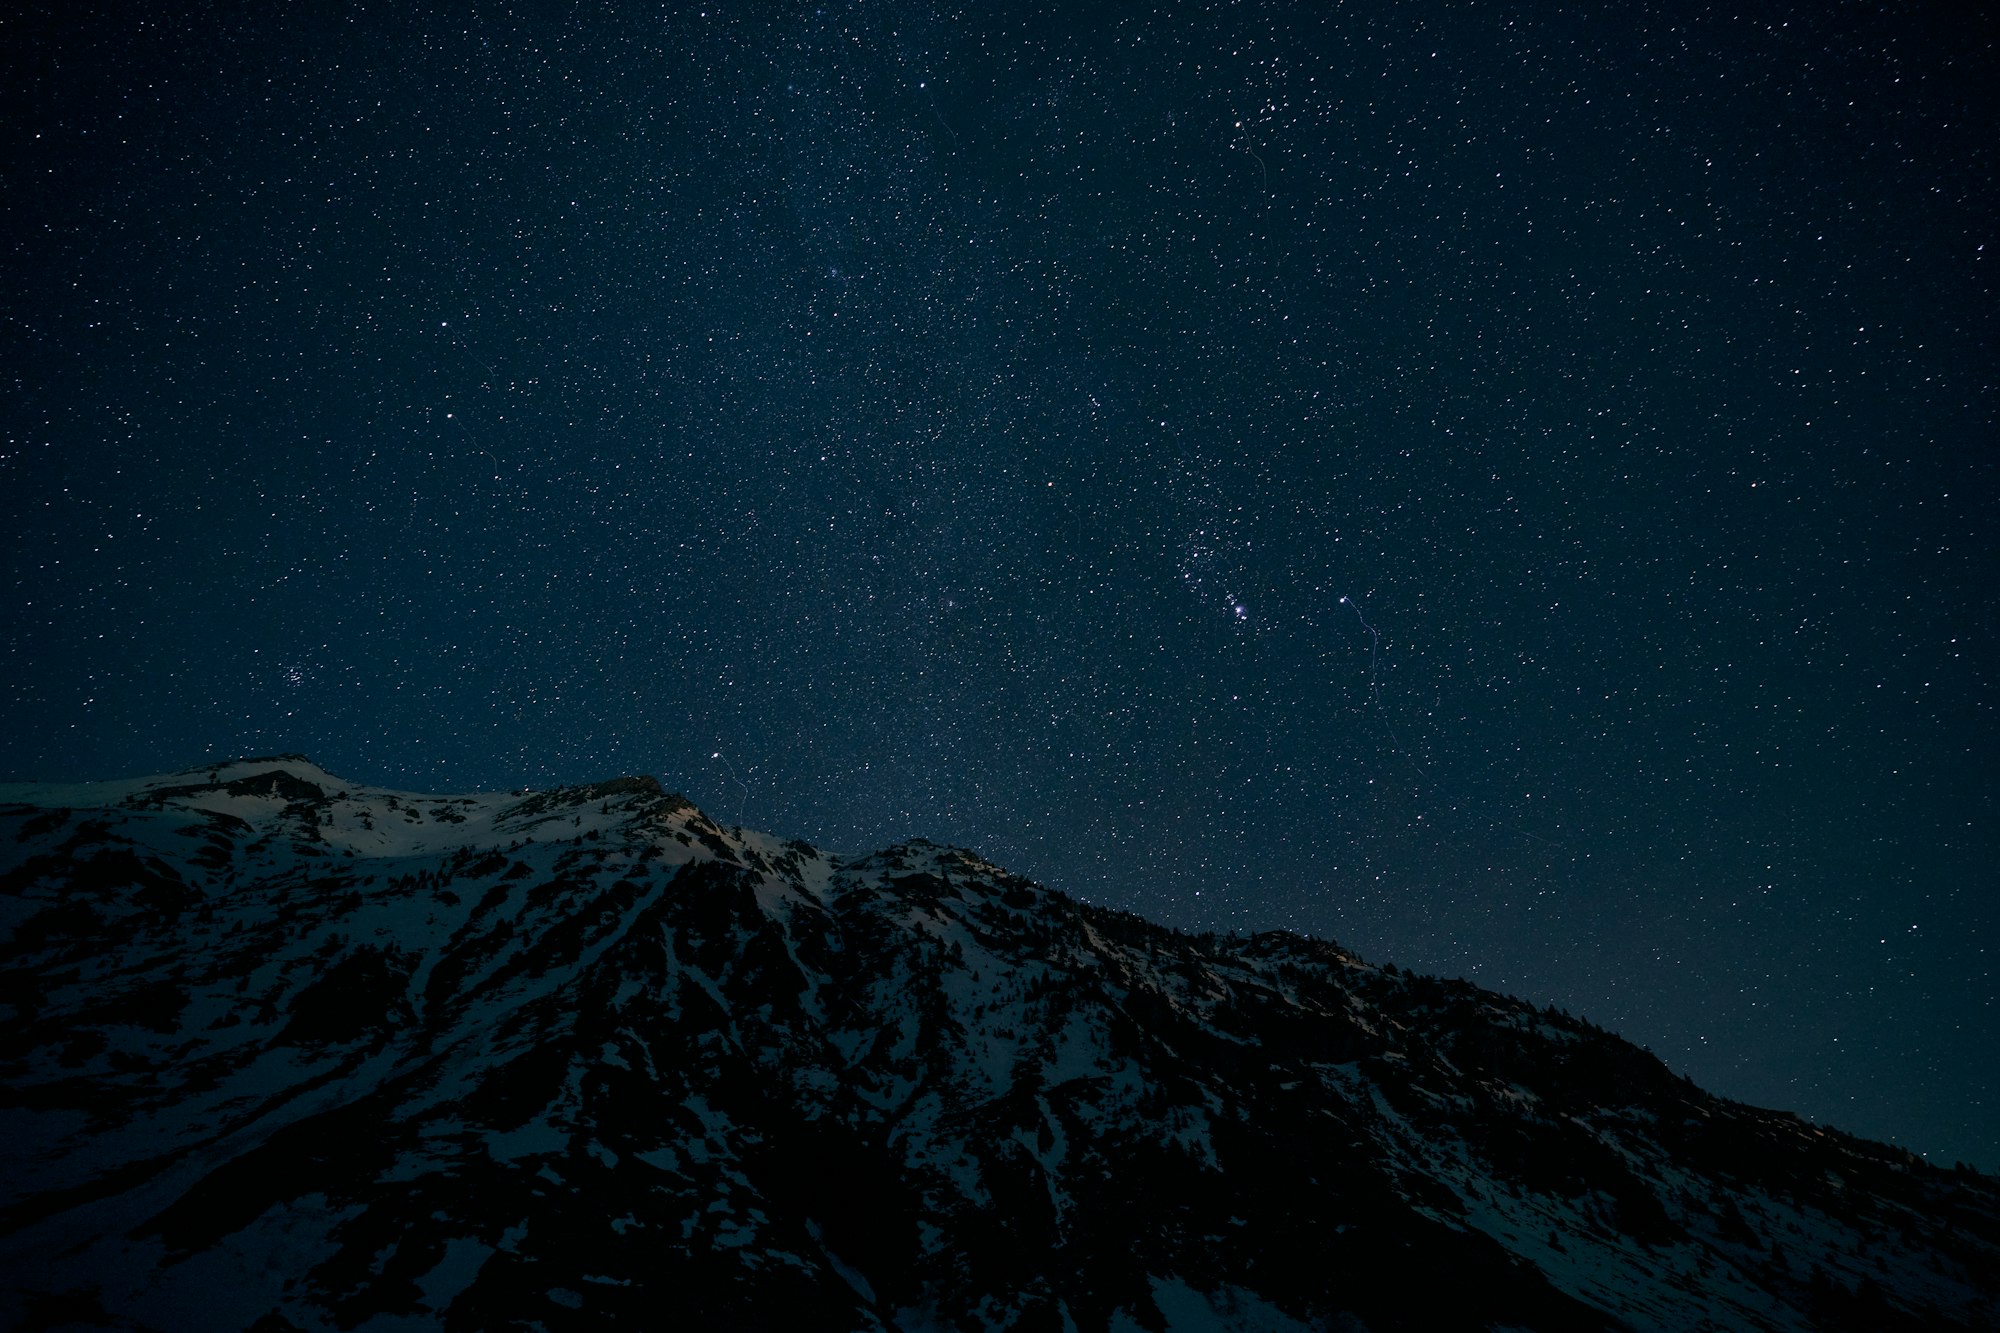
283,1052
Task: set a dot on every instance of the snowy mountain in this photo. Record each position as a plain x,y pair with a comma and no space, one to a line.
285,1052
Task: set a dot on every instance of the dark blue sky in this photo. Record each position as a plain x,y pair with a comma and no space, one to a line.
1511,487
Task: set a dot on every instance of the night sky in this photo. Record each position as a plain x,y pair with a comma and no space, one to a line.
1510,487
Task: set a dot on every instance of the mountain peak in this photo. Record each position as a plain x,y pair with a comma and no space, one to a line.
288,1051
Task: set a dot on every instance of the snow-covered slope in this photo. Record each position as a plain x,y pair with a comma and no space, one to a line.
285,1052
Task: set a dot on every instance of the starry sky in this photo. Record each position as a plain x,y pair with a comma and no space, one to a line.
1508,486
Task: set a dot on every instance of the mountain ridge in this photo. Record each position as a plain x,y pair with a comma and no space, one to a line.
287,1051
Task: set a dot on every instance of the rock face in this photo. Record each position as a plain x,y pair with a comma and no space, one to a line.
282,1052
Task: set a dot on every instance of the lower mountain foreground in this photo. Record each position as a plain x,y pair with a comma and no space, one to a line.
283,1053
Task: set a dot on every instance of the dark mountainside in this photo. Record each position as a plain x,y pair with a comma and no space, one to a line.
283,1052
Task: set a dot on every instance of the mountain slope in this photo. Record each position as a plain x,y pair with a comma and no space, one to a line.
288,1052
